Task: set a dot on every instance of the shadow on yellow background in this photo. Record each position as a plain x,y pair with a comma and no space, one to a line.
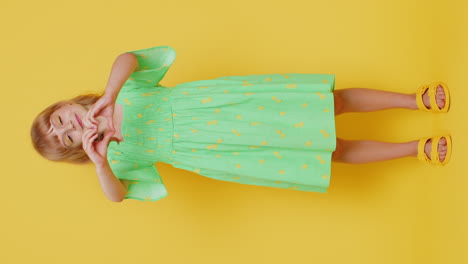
398,211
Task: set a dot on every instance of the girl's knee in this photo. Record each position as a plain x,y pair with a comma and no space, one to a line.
338,102
338,153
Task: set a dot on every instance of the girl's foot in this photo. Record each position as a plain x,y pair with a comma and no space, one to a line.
440,98
442,149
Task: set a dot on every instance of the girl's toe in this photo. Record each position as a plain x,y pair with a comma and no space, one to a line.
442,142
441,92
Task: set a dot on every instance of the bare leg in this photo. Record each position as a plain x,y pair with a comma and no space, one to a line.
368,151
368,100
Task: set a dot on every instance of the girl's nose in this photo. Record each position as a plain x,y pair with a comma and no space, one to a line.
69,125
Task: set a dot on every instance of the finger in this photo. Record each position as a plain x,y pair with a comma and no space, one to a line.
98,108
105,140
84,143
93,119
101,146
90,149
87,123
91,115
110,134
92,112
88,117
87,132
87,135
83,137
93,138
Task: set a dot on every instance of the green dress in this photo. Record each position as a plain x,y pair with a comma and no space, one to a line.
275,130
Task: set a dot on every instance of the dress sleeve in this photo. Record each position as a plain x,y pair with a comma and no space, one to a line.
153,63
145,182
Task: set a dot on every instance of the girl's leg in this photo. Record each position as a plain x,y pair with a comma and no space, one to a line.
368,100
368,151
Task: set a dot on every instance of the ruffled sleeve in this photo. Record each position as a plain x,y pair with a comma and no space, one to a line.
153,64
145,182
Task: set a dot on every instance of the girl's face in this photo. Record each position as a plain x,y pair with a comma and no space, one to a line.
66,122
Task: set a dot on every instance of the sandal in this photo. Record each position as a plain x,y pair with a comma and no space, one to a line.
434,153
432,92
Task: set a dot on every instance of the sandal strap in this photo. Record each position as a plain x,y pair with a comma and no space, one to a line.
434,151
419,97
421,154
449,150
432,97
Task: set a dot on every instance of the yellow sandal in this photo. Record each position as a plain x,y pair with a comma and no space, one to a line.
434,153
432,95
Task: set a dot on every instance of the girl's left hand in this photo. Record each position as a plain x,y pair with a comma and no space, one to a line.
103,107
96,150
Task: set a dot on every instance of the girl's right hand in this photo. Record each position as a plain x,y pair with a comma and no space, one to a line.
96,150
103,107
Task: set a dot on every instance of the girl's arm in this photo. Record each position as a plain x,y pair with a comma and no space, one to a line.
123,67
97,153
113,188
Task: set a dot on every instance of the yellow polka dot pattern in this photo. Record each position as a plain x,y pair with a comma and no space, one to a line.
273,130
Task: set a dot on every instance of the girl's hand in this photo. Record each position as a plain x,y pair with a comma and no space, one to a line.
103,107
96,150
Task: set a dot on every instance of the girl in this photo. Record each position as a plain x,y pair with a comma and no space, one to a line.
275,130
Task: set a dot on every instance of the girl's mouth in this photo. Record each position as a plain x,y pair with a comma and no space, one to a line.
79,121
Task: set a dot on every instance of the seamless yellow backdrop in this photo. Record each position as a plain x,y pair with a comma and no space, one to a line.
399,211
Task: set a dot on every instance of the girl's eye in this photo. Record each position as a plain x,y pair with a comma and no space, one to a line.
70,139
60,120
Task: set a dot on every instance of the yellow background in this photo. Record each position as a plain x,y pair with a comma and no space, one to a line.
399,211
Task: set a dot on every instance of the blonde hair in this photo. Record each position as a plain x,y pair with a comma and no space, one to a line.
49,146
